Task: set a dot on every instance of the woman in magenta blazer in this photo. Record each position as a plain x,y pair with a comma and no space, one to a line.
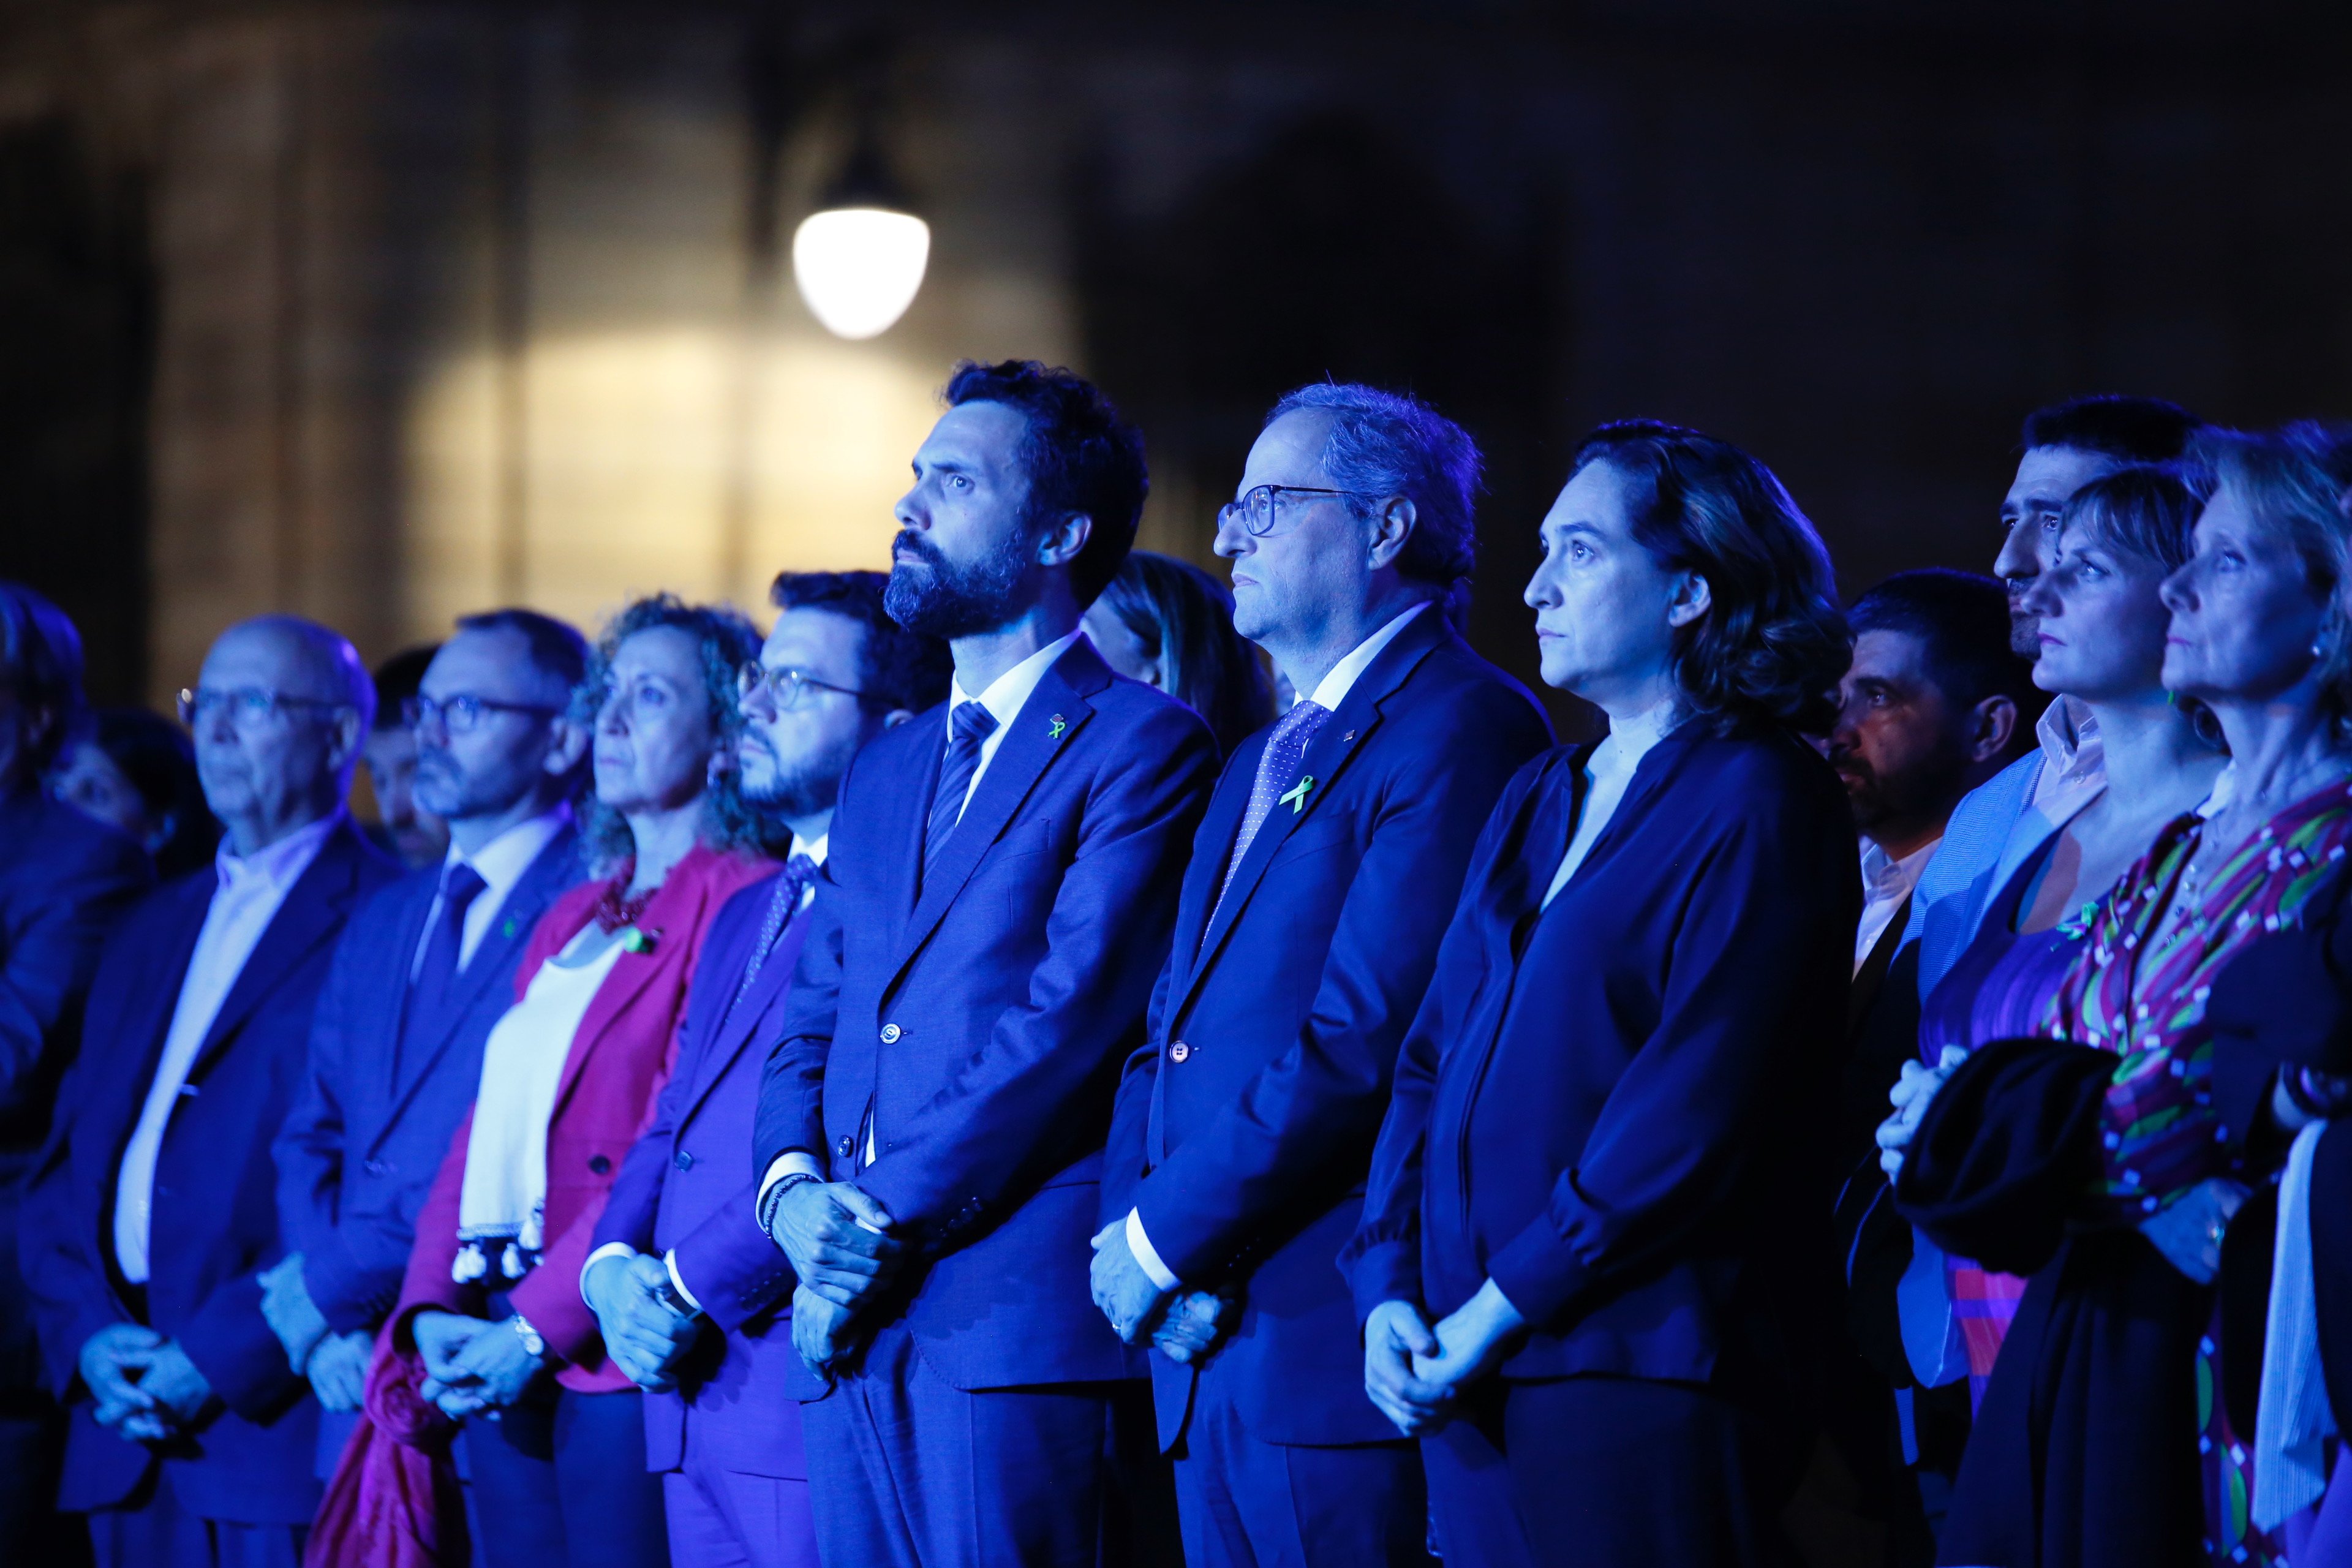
491,1330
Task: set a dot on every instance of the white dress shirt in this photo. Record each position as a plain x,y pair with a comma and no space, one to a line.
1329,693
500,864
815,848
1004,698
1606,772
1886,882
2075,760
251,891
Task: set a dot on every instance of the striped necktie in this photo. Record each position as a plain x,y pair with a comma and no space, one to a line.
1278,768
969,726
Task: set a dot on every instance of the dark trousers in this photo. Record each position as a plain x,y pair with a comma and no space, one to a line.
907,1471
152,1531
561,1482
720,1518
1606,1472
1252,1504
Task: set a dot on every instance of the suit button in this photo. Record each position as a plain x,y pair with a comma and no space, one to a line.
599,1164
844,1146
1178,1051
378,1167
682,1161
890,1034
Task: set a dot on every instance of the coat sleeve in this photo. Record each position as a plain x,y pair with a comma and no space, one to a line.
49,948
1741,1023
956,1159
1298,1135
56,1228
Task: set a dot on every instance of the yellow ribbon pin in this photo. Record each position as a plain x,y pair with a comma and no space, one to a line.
1059,725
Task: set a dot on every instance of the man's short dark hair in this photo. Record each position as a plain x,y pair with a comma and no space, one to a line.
397,679
41,662
1080,454
896,668
558,651
1961,619
1386,444
2132,429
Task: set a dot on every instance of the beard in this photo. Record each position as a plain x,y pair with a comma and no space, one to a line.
804,787
931,595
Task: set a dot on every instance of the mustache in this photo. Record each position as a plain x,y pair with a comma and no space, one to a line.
911,543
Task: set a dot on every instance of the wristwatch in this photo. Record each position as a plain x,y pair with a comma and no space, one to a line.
530,1337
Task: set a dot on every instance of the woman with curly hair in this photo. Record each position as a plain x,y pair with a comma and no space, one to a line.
491,1330
1593,1241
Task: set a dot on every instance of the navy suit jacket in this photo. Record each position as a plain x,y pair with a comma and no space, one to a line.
690,1183
374,1116
982,1026
216,1213
1619,1106
1246,1156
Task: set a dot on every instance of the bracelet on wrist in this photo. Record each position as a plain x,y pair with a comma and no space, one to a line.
775,1197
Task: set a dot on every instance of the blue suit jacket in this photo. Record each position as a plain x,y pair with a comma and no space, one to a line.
690,1183
216,1213
1290,1008
983,1026
373,1119
1619,1106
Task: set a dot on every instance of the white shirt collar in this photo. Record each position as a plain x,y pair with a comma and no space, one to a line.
1007,693
1334,688
814,848
502,862
280,864
1886,878
2069,733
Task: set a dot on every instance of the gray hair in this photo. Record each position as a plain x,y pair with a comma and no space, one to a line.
333,661
2298,482
1384,445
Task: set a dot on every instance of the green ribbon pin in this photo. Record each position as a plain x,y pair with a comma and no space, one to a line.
1060,724
1297,798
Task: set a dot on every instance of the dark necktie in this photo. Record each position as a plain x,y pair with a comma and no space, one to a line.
969,726
1279,769
429,995
791,885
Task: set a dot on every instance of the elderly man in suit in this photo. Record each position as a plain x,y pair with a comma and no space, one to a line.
977,965
692,1298
154,1216
1320,887
424,970
65,880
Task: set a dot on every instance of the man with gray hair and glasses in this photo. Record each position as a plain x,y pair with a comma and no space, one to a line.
1321,883
423,971
153,1217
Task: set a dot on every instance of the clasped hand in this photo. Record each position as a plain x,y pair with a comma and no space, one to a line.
144,1386
644,1335
1185,1325
1911,1096
1412,1372
838,1240
470,1363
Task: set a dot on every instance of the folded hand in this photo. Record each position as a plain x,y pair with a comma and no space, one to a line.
338,1370
287,1307
838,1239
1396,1336
1121,1289
822,1332
111,1361
1911,1096
1195,1322
645,1338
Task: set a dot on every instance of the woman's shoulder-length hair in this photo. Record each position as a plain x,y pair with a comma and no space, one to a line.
1773,644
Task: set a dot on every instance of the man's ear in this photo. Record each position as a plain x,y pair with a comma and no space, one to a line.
567,742
1693,599
1391,528
348,737
1065,538
1992,725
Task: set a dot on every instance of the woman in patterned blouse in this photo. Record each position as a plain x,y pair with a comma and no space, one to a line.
2105,1436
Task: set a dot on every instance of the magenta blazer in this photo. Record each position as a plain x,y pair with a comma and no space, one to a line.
619,1061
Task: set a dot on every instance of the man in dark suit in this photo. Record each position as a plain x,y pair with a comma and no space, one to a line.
1934,703
692,1298
978,962
154,1213
1320,887
65,880
424,970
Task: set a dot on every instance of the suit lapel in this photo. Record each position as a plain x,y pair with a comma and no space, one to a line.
744,1020
311,915
130,1080
1219,828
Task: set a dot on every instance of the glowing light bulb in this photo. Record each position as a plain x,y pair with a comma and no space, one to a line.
858,268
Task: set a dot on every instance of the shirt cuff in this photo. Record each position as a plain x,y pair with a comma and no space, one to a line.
787,1163
676,1281
1147,1255
610,1250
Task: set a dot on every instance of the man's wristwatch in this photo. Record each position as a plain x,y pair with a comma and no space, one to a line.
530,1337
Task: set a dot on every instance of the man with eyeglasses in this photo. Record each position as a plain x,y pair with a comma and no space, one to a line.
693,1301
153,1219
423,971
1320,884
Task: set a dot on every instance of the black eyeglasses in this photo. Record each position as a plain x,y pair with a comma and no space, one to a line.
1254,511
785,687
461,714
247,707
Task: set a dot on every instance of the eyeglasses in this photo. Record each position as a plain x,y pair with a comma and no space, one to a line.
785,687
1255,508
461,714
249,707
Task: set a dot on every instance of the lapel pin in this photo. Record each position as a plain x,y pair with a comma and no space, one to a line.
508,929
1349,736
636,941
1297,798
1060,724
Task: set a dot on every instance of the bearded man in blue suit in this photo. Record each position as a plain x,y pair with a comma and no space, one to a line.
978,961
1319,891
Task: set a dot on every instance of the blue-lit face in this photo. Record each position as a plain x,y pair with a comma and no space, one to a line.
2046,478
2244,615
1311,565
1605,610
2100,618
966,551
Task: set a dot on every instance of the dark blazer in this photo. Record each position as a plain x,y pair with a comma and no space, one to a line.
1246,1156
64,881
689,1185
216,1213
983,1026
1618,1106
373,1115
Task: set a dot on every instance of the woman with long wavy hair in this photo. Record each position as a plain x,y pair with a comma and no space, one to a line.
1593,1240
